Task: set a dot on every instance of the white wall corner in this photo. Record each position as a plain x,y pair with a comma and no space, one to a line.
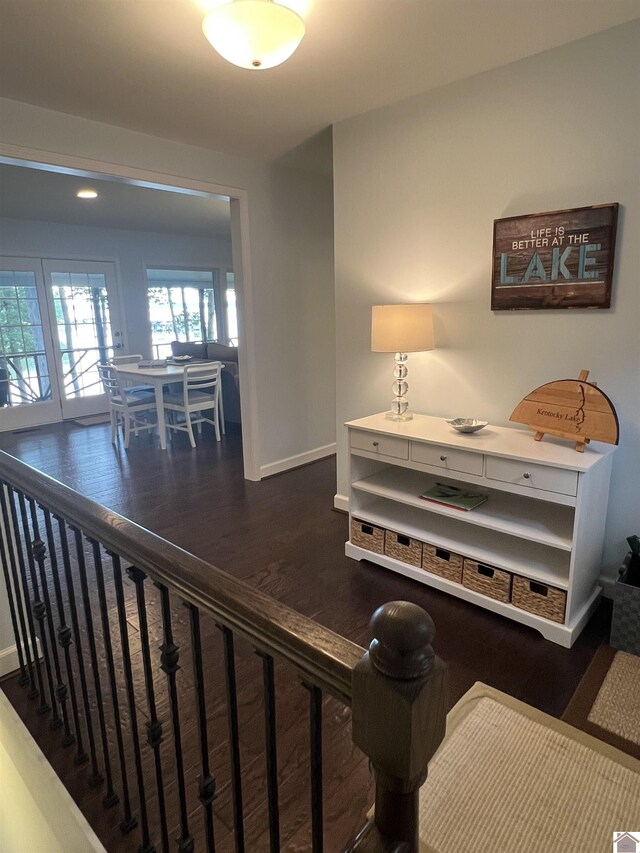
9,661
608,585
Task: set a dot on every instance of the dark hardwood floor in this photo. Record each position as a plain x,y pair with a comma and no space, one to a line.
282,537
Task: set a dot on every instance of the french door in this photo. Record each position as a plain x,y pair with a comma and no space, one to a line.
58,321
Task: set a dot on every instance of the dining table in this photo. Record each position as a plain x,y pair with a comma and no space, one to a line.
158,378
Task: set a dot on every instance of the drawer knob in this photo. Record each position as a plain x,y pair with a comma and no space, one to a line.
376,443
443,458
527,475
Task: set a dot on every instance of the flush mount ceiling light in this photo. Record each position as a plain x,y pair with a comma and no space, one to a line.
254,34
86,194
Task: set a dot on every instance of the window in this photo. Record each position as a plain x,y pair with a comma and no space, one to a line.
184,305
231,310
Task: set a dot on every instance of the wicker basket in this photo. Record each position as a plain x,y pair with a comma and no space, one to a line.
625,624
538,598
488,580
367,536
403,548
440,562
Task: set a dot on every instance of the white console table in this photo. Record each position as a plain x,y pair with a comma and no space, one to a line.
543,521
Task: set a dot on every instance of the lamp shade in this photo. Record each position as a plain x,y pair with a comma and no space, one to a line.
402,328
255,34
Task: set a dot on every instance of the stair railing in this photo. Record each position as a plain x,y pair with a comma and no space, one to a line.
80,577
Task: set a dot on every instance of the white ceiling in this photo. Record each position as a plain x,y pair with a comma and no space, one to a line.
145,64
31,194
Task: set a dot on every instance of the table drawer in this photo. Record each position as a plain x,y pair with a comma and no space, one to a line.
385,445
532,476
447,458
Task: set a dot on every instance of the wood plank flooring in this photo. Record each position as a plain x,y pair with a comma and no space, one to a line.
282,537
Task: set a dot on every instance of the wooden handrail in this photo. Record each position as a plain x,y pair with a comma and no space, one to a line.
321,656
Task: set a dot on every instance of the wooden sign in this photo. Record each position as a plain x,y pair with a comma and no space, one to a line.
571,408
562,259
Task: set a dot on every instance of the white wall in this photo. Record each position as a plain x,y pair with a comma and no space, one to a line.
291,254
417,187
37,813
132,252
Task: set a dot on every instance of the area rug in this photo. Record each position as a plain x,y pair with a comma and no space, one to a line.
92,420
606,703
509,777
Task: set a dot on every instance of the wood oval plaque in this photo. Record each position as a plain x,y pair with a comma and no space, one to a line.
569,408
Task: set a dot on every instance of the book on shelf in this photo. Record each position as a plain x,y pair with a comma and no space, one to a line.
454,496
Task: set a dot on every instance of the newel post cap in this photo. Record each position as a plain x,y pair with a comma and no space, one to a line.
402,637
399,696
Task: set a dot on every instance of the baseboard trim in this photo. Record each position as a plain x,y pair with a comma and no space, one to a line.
297,461
341,502
9,659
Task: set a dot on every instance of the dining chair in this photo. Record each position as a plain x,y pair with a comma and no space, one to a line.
200,393
124,406
132,358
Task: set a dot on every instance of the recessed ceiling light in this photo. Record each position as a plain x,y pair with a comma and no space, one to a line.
87,194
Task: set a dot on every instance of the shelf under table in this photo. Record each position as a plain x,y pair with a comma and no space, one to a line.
528,518
536,561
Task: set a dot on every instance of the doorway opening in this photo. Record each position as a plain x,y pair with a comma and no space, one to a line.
73,317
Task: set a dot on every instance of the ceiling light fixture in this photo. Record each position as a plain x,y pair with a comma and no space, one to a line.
254,34
86,194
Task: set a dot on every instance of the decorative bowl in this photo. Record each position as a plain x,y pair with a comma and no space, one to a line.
467,424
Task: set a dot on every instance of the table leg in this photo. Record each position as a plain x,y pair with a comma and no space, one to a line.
162,432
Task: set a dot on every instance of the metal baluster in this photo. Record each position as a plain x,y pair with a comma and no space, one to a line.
206,782
128,821
169,664
147,846
96,777
5,551
154,726
40,554
110,798
43,705
234,736
64,638
38,609
315,746
271,750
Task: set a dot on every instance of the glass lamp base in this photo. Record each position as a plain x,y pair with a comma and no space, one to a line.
392,416
399,410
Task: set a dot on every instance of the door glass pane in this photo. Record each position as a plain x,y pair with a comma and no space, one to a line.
84,330
24,371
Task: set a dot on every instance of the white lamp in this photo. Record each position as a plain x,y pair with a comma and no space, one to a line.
401,329
255,34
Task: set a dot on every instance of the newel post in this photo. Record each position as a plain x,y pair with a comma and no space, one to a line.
399,715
